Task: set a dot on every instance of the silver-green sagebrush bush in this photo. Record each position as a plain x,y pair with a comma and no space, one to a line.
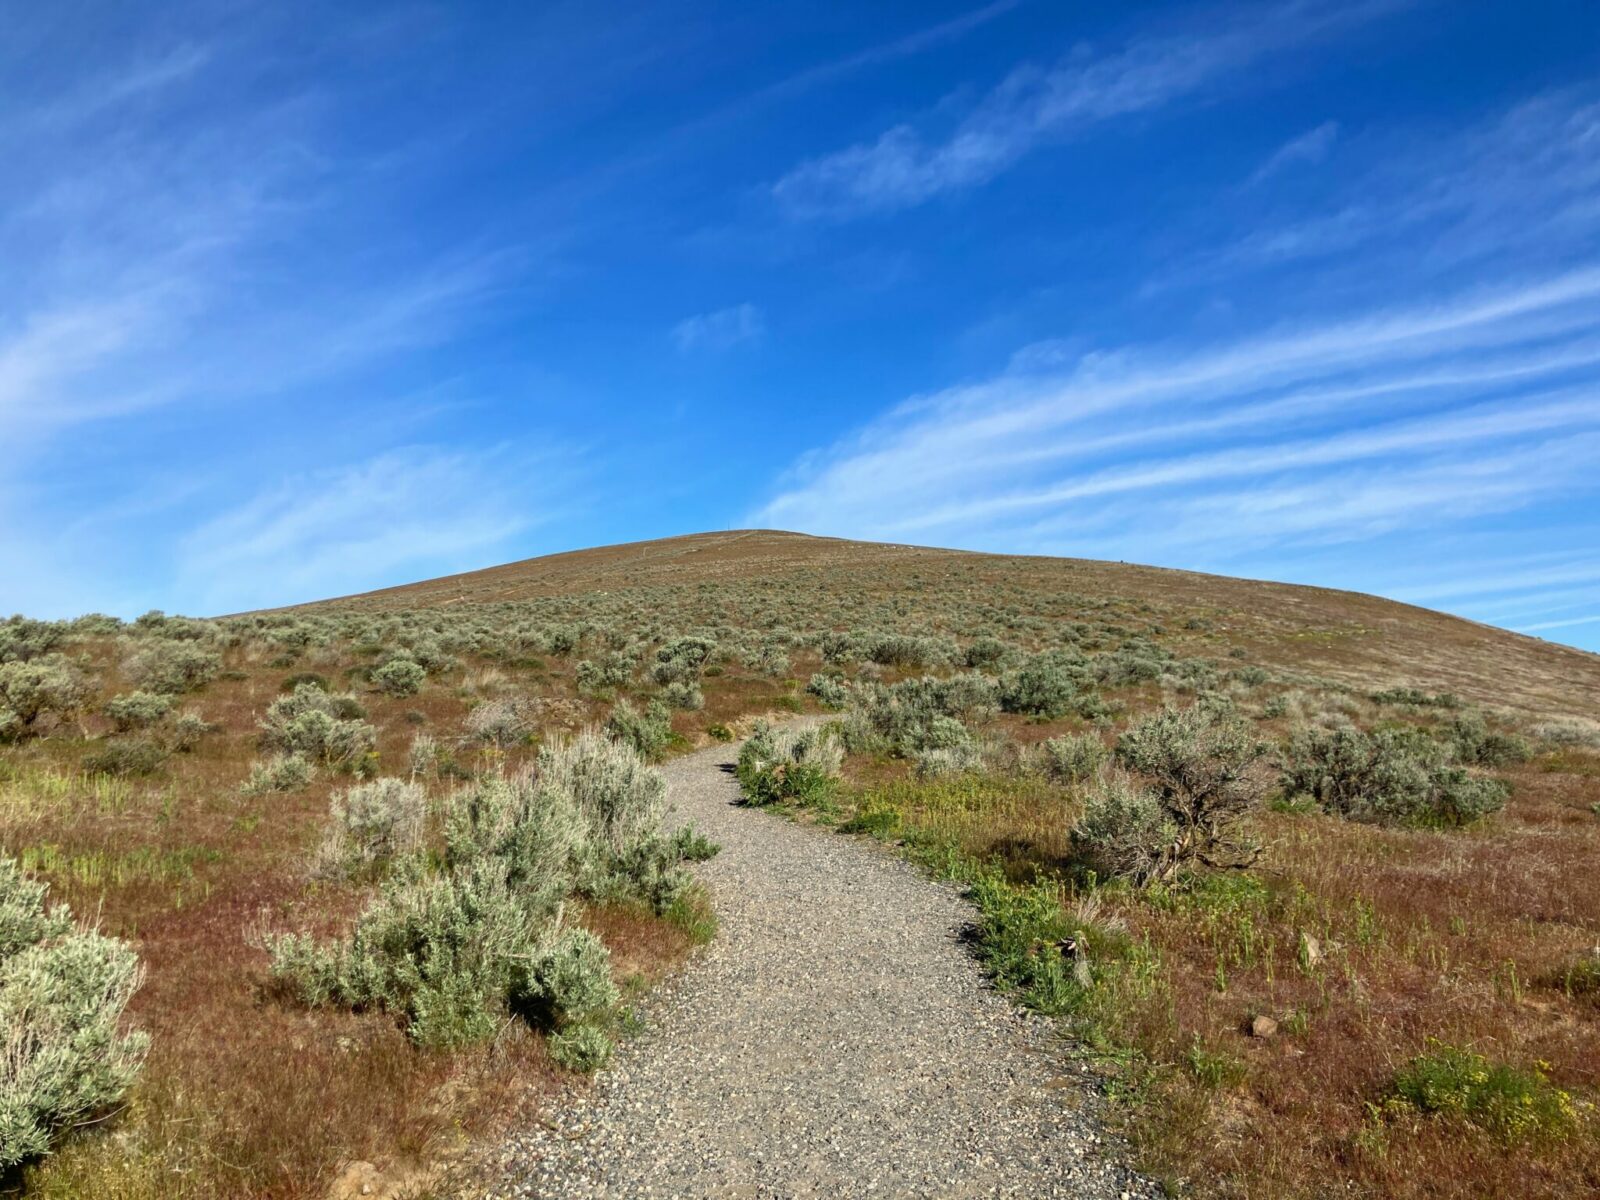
63,990
138,710
372,823
1391,776
279,773
35,691
1195,778
456,946
502,722
646,732
173,667
799,765
320,727
1073,758
400,677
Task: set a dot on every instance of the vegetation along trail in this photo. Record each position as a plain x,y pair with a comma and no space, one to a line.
835,1040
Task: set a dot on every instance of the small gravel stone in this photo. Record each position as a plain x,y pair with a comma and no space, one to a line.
835,1040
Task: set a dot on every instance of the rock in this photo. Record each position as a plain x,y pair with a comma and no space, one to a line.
357,1179
1310,951
1263,1027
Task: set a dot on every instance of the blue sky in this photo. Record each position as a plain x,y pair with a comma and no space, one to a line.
297,300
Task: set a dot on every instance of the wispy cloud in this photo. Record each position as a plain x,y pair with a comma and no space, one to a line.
406,514
1461,409
1412,202
906,166
720,330
1308,149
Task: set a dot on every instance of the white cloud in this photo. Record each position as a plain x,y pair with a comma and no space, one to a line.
903,167
408,514
720,330
1308,149
1330,432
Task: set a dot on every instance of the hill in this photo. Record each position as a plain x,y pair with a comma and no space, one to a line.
1361,640
1307,873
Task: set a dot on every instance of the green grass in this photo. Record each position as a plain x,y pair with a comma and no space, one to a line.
1513,1103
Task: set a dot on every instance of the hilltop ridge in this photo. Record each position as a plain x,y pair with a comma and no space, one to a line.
1362,640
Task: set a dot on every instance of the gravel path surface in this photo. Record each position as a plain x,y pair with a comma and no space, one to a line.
835,1040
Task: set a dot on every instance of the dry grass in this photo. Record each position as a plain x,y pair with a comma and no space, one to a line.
186,866
1424,935
1415,938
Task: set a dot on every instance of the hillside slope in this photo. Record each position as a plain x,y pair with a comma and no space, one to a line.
1363,641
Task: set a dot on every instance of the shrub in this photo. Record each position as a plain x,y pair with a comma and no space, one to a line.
423,756
309,722
904,650
919,714
1073,758
581,1048
22,639
1388,777
399,677
1409,697
1474,743
647,733
1582,734
63,992
280,773
1125,832
681,660
986,653
611,670
126,756
1200,766
373,823
1047,686
1513,1104
569,981
503,722
453,951
683,694
173,667
438,950
787,764
34,689
618,796
187,730
948,760
136,710
830,690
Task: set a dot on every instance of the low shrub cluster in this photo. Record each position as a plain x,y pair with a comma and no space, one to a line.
1073,758
789,765
173,667
647,732
454,946
1399,776
372,824
35,691
1194,778
322,728
399,677
63,1056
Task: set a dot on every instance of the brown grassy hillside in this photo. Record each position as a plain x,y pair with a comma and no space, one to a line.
1474,931
1363,640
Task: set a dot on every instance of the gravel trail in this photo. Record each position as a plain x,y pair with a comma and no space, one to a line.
835,1040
